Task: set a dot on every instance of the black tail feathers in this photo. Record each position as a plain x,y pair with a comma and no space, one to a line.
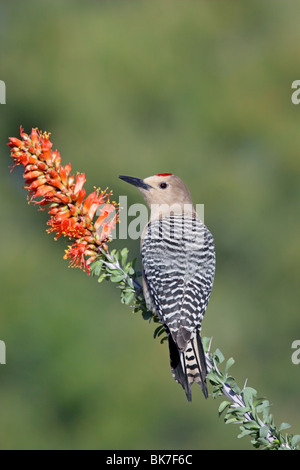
189,365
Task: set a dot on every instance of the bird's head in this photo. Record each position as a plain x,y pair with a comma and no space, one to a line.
164,192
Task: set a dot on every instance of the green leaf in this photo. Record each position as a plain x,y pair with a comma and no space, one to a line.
260,441
158,331
295,439
268,419
248,394
124,254
129,298
251,424
133,263
244,433
102,277
229,363
260,407
117,277
147,315
284,426
218,356
231,420
230,381
241,410
205,343
264,431
213,378
129,269
96,268
223,406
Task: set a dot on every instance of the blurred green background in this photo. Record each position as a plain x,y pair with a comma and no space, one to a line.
199,89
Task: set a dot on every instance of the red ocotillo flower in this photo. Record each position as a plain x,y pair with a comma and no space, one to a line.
53,188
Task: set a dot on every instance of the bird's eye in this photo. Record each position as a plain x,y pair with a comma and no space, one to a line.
163,185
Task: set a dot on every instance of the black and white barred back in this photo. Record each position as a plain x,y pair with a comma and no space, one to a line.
178,257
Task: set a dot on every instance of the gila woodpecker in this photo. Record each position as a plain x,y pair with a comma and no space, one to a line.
178,259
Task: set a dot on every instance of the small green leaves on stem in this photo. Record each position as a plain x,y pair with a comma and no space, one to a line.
244,408
242,405
114,266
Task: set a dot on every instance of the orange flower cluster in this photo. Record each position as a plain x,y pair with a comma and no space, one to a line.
54,189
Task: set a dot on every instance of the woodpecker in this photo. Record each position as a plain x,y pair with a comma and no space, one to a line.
178,259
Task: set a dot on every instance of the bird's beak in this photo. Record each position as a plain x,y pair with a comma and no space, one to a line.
136,182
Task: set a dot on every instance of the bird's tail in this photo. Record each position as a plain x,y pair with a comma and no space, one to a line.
189,365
